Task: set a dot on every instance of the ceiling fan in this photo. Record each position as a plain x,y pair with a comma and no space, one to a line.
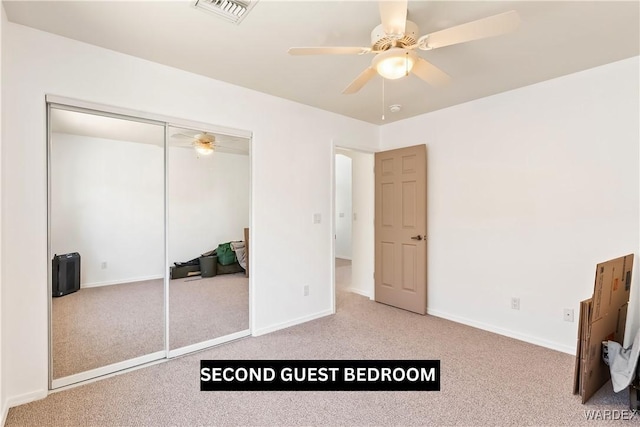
395,40
205,143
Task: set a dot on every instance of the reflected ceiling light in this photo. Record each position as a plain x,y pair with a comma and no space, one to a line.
204,144
394,63
204,150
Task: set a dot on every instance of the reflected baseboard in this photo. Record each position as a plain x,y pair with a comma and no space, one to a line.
106,370
209,343
120,281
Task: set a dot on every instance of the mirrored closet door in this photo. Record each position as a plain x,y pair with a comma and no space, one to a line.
148,238
208,217
106,243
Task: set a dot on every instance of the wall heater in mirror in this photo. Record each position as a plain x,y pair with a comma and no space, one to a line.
65,274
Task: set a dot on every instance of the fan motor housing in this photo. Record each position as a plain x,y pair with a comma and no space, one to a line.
382,41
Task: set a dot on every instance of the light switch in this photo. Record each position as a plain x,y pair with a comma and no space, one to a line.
317,218
341,214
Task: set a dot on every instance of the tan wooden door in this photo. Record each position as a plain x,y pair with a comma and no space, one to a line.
400,228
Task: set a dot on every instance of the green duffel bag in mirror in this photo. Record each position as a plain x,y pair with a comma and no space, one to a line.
226,256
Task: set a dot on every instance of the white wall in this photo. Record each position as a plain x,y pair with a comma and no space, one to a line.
208,201
363,259
291,180
107,204
343,214
527,191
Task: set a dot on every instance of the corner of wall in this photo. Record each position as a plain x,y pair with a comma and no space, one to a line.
5,411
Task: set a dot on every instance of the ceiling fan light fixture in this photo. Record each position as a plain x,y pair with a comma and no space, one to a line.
204,138
204,144
394,63
204,149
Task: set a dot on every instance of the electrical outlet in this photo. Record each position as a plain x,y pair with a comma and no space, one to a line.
103,265
306,290
515,303
317,218
568,315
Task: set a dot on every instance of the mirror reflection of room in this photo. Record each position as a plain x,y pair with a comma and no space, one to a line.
106,240
209,196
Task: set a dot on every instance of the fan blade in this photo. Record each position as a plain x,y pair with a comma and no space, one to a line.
482,28
182,136
430,73
360,81
393,15
329,50
234,149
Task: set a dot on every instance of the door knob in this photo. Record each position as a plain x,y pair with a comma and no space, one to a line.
418,237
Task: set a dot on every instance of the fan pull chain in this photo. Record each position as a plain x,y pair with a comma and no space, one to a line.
406,63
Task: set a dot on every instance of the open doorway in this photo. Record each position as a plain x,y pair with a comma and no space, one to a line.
353,222
343,220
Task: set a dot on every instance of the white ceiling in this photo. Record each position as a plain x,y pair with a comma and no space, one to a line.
554,39
97,126
110,128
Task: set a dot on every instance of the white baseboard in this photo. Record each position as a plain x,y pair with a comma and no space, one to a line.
119,282
359,292
506,332
21,400
262,331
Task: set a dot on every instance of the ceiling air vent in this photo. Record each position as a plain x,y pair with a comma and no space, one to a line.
230,10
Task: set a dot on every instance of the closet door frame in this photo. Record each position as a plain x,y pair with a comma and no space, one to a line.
70,104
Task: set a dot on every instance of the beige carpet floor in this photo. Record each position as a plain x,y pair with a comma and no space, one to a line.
204,308
487,379
99,326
